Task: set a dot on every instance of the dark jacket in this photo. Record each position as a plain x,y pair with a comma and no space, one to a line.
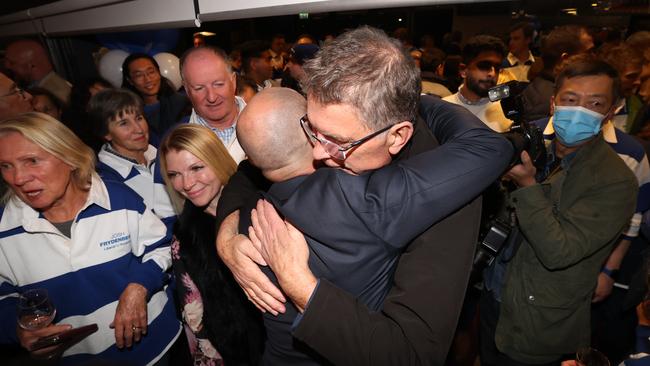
570,223
231,323
537,97
170,111
375,209
420,313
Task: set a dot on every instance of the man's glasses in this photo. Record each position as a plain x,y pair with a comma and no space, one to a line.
14,91
487,66
336,151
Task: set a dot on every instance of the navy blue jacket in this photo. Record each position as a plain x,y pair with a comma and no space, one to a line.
356,226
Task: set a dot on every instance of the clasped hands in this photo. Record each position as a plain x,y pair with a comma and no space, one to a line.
274,242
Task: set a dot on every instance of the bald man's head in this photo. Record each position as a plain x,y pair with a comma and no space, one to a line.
269,132
28,59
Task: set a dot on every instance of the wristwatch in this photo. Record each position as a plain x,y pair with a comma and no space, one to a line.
611,273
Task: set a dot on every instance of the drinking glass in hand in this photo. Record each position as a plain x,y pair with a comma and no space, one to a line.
35,310
588,356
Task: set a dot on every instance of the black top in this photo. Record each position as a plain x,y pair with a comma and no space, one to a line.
169,111
231,323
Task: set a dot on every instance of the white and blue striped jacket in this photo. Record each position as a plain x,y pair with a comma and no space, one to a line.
146,181
115,240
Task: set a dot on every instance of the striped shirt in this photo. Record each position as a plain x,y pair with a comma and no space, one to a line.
145,180
115,240
228,135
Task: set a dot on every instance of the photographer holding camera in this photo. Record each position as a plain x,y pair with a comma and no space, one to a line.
536,304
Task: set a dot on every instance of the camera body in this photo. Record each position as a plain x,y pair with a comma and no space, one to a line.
521,135
491,244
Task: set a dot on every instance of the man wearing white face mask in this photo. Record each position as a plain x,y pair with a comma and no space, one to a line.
536,307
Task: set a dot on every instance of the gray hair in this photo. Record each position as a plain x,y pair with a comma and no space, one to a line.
369,71
111,104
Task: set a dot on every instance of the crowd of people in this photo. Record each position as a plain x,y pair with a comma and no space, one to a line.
321,203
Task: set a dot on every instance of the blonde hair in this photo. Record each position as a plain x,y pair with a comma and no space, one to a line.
204,144
58,140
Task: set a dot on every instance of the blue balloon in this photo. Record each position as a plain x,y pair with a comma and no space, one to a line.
149,42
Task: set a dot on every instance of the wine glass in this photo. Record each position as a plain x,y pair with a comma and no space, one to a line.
35,310
587,356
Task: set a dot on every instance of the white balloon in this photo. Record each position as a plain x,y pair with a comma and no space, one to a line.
110,66
169,68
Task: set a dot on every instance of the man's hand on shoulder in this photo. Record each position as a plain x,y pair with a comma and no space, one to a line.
238,253
285,249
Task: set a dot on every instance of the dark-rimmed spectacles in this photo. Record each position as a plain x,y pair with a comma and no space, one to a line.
336,151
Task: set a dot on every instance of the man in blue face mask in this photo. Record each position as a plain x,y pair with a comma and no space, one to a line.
568,218
570,126
581,105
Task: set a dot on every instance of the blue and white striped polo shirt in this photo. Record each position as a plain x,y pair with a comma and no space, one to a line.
115,240
145,180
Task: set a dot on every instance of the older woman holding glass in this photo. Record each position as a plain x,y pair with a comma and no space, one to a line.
221,325
93,245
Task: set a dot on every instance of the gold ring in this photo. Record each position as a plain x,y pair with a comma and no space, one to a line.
134,328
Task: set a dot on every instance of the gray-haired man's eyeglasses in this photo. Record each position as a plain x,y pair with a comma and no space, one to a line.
337,152
14,91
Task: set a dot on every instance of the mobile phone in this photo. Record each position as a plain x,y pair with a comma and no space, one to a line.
68,337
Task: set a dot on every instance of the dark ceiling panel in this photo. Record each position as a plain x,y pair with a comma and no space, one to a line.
8,7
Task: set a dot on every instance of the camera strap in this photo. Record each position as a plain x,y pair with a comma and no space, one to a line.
514,239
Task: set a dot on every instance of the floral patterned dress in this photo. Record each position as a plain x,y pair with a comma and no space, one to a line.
202,350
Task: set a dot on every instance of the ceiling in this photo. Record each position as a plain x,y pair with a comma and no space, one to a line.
65,17
9,7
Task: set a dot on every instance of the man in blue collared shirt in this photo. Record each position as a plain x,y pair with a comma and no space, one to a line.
210,84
